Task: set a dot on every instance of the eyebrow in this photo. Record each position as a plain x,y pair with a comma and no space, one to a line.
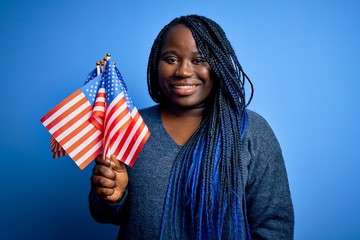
169,52
175,53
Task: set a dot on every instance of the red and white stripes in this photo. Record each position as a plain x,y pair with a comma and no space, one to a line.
69,124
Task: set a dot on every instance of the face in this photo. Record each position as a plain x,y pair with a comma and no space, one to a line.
184,75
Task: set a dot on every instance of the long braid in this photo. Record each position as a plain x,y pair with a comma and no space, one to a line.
206,184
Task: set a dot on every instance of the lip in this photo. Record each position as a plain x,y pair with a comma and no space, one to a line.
184,89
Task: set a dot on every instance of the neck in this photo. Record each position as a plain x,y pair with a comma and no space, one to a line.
181,123
181,113
192,113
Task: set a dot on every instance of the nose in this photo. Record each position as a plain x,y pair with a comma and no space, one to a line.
184,70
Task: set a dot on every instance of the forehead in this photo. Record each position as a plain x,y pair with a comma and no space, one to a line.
178,29
179,36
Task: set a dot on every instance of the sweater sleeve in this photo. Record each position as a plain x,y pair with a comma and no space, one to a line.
106,212
269,205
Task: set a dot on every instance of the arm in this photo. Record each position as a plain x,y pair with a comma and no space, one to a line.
104,211
108,192
269,205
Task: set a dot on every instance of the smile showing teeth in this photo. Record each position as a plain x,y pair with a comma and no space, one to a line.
183,86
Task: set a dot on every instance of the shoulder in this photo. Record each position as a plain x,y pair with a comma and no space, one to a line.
260,135
151,116
258,125
150,112
256,121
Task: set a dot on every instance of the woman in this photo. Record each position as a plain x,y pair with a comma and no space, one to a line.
211,169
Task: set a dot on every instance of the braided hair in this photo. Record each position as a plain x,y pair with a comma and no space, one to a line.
206,191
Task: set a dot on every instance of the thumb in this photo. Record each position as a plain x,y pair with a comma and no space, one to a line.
116,164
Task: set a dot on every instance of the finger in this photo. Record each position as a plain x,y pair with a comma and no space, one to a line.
104,192
105,171
101,161
102,182
116,164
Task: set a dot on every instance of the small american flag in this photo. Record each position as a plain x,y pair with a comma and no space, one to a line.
130,142
99,117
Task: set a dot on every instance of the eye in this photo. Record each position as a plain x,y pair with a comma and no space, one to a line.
199,60
171,60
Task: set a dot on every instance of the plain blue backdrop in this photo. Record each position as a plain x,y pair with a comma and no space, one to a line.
302,56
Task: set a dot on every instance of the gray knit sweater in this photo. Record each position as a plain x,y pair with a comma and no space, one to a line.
269,206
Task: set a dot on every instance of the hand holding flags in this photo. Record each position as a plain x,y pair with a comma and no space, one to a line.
99,117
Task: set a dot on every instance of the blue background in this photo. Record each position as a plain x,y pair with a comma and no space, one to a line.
302,56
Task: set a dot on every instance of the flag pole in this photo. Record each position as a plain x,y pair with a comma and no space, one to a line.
106,58
98,70
102,65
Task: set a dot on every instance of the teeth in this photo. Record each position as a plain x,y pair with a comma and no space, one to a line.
184,86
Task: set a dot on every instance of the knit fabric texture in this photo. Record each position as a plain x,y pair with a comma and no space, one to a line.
268,201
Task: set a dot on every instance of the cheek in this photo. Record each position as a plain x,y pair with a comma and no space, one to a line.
211,84
159,71
163,72
204,72
161,77
210,87
207,75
